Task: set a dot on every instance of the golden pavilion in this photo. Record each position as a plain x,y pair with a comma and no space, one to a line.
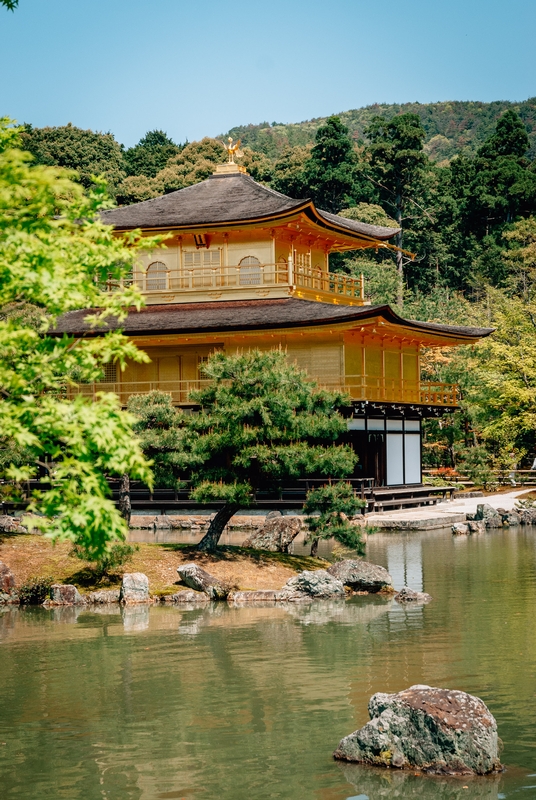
248,267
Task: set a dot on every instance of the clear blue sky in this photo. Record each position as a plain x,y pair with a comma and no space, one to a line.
198,68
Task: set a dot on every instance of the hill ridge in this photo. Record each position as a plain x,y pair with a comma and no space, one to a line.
452,126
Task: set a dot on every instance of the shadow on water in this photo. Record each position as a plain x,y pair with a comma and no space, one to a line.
228,701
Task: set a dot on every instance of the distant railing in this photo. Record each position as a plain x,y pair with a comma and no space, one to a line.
362,387
247,277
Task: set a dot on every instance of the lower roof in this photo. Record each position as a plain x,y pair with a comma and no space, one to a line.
244,315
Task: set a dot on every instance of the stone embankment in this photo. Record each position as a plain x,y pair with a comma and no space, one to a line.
336,582
487,517
432,730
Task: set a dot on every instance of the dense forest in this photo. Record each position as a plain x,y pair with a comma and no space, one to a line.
450,128
459,182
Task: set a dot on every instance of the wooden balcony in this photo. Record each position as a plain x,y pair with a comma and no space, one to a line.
359,388
247,281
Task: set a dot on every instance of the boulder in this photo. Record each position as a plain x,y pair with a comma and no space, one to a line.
187,596
276,535
318,583
65,595
485,511
273,514
162,523
361,576
197,578
7,580
429,729
512,518
11,525
134,588
494,522
260,595
476,526
527,516
11,599
104,596
460,529
407,595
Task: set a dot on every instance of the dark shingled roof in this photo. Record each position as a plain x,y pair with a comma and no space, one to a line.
224,199
241,315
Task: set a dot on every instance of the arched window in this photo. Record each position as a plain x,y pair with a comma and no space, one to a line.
156,277
250,271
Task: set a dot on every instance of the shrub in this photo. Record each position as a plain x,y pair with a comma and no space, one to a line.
35,591
117,556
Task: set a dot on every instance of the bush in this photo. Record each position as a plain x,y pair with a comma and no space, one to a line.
117,556
35,591
328,509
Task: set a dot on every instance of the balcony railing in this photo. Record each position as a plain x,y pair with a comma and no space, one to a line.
358,387
247,278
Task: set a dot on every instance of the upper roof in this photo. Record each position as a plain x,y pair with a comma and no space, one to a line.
227,199
241,315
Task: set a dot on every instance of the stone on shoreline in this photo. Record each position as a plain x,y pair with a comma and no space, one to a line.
11,525
64,594
11,599
134,588
527,516
276,534
460,529
253,596
362,576
318,583
7,579
429,729
407,595
103,596
476,526
197,578
186,596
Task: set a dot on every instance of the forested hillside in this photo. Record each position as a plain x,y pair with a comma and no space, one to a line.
458,181
451,127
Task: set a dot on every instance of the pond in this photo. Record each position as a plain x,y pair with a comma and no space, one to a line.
249,703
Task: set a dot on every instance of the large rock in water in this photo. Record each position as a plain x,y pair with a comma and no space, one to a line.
407,595
134,588
318,583
361,576
277,534
433,730
197,578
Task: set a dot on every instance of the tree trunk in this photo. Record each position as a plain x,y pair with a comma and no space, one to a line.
125,508
210,540
314,548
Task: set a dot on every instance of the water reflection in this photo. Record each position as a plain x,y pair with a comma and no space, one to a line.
238,702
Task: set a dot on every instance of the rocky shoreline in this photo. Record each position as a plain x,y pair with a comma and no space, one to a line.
199,587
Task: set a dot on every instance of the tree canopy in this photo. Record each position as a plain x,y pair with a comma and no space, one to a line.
90,154
260,423
55,256
151,154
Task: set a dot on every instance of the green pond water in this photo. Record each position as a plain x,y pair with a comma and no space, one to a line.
249,703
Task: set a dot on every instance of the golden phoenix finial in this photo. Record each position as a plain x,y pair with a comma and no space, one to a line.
233,150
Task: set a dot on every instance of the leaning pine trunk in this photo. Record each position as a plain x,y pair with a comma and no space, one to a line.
210,540
314,548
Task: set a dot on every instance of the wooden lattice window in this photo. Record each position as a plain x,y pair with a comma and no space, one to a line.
156,277
110,373
250,271
201,258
